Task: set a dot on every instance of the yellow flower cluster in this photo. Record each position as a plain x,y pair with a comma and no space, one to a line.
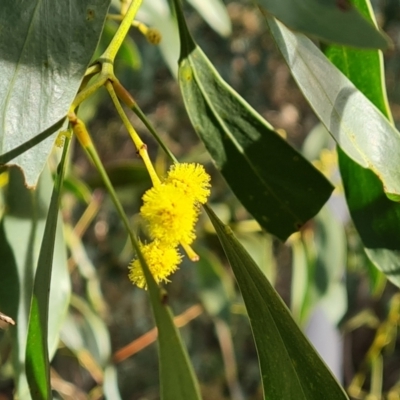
171,209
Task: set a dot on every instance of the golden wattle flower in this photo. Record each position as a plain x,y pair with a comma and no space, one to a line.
170,210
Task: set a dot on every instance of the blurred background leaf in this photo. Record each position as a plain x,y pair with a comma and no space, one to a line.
330,21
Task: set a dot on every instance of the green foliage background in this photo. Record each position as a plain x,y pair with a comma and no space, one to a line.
66,242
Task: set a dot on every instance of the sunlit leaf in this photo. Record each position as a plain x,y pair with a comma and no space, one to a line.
359,128
42,68
376,218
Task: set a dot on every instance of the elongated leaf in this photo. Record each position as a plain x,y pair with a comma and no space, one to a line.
23,228
273,181
290,367
41,69
177,378
358,127
335,21
376,218
37,351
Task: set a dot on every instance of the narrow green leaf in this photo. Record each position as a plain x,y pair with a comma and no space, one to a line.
272,180
23,229
329,20
177,378
358,127
376,218
37,351
290,367
46,47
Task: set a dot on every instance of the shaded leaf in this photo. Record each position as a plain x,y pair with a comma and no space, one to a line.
376,218
358,127
23,229
330,268
272,180
121,173
37,349
290,367
42,68
335,21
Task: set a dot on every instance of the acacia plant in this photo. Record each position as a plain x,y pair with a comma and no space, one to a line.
47,72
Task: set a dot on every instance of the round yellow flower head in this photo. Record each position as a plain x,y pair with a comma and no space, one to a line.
161,259
171,210
192,179
170,215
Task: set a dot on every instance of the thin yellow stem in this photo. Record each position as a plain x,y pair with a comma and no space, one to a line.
124,6
88,91
140,146
136,24
115,17
122,31
152,35
193,256
79,129
93,69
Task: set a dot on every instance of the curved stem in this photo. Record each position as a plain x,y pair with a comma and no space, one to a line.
141,147
122,31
